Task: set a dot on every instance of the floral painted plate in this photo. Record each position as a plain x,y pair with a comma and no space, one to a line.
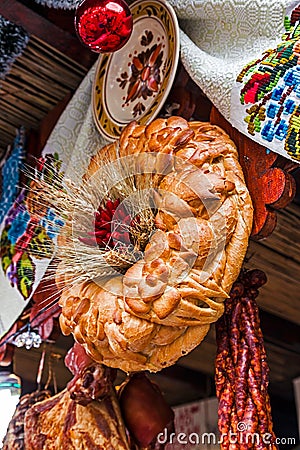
133,83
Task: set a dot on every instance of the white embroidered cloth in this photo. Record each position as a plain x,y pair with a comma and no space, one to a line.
218,38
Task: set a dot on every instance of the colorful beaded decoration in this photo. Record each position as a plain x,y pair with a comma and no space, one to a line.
29,231
11,173
271,88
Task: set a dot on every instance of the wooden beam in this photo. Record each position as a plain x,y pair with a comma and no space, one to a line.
279,257
280,295
183,385
190,377
54,36
280,332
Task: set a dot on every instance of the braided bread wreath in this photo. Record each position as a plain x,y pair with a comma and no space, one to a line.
162,307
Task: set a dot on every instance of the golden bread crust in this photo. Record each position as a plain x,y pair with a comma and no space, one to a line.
164,304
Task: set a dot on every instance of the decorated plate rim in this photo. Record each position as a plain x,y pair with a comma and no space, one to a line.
162,11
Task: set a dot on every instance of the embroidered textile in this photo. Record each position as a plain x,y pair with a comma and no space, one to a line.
219,38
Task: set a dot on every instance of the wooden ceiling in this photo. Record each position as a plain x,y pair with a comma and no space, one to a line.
38,80
51,68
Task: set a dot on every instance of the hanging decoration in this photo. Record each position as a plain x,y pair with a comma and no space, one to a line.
13,40
28,339
26,237
103,25
265,97
242,372
59,4
10,173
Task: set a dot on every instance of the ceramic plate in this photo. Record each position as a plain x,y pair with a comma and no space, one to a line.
133,83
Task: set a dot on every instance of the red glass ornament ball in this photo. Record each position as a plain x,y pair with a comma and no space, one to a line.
103,25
